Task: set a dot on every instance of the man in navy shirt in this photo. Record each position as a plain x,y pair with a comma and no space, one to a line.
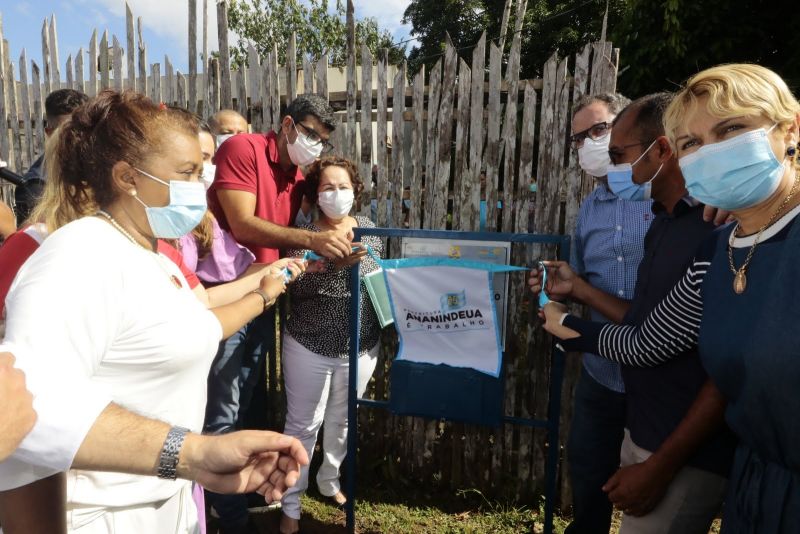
676,453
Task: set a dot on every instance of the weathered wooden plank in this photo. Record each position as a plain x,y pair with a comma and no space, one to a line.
80,84
275,96
55,67
308,75
224,73
266,108
602,63
526,149
241,97
168,92
417,140
493,142
105,63
193,55
117,51
37,108
365,158
398,144
351,149
26,108
5,141
322,77
141,85
130,57
460,178
470,209
48,84
434,97
155,83
70,77
547,189
445,136
381,160
291,69
13,116
213,86
255,80
180,90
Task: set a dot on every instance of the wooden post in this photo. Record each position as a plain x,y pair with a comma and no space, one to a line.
266,102
26,107
308,75
255,79
46,58
417,140
168,92
526,157
352,88
193,56
241,97
93,63
291,69
493,142
472,195
225,95
13,117
206,87
37,108
275,96
365,159
322,76
444,136
117,51
142,85
461,182
398,143
105,81
80,84
180,92
382,161
434,96
130,52
70,78
5,142
55,69
155,89
214,86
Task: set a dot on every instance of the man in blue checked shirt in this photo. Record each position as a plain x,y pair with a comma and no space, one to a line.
609,244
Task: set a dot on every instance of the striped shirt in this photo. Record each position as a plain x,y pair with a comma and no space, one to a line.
674,324
609,245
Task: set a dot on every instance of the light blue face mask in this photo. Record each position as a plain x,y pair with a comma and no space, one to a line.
620,180
733,174
187,205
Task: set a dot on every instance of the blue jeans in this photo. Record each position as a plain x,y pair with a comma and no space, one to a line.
593,452
231,381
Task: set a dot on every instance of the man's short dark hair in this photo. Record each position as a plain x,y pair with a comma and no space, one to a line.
63,102
305,105
615,102
649,115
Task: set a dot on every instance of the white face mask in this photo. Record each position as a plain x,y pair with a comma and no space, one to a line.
207,177
593,156
336,204
221,138
302,152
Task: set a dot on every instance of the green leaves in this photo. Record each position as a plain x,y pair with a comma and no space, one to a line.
320,29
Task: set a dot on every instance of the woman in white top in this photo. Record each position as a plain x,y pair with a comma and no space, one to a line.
96,299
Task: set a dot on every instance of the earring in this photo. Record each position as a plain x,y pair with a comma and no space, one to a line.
132,192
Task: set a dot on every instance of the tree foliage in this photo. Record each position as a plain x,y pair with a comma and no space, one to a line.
266,23
662,43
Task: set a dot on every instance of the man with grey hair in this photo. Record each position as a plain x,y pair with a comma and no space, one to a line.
608,246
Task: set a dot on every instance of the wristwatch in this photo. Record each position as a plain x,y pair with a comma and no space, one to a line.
168,459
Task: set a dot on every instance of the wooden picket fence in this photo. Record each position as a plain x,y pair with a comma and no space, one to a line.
464,118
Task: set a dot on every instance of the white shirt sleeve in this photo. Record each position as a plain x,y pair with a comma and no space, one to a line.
63,311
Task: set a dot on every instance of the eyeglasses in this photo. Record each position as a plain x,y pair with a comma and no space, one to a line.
617,151
315,139
595,132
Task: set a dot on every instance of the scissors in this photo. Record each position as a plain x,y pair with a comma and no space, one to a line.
543,298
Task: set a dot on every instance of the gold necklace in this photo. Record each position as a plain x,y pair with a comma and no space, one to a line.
739,275
174,279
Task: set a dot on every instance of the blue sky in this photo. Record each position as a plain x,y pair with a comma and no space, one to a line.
165,25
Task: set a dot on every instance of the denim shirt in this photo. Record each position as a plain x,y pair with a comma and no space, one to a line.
608,247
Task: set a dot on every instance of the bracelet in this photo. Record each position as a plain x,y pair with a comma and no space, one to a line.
168,459
261,293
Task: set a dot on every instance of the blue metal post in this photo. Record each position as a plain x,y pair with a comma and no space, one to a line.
352,392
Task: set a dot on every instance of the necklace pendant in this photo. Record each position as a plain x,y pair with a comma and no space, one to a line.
739,282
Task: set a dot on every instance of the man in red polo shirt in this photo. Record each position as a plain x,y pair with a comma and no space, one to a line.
256,194
257,189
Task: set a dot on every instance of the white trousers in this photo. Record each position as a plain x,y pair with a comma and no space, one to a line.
316,393
176,515
692,501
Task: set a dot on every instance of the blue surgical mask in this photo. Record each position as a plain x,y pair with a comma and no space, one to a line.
187,205
620,180
733,174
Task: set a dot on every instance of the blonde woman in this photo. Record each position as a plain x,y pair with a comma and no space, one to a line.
735,130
